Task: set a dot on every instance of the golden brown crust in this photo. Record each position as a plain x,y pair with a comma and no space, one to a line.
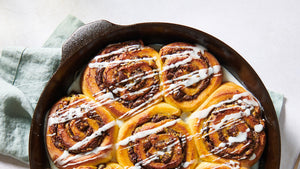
79,132
128,80
189,75
113,166
87,167
102,166
124,81
206,165
228,127
156,138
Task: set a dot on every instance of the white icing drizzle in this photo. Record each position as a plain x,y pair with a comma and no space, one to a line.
194,77
169,147
187,163
230,117
137,92
50,135
142,76
177,64
106,64
118,51
155,156
227,121
102,95
105,97
258,128
252,157
145,133
142,106
119,122
191,53
232,164
66,157
241,137
190,79
97,133
247,105
70,113
146,161
204,113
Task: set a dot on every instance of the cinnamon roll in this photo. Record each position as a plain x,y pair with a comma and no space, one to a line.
87,167
156,138
229,127
79,132
231,165
112,166
102,166
189,75
124,78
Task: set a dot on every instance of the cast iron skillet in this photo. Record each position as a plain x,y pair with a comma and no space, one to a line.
86,42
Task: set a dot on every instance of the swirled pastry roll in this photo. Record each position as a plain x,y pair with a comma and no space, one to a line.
230,165
112,166
102,166
79,132
229,127
189,75
156,138
124,78
87,167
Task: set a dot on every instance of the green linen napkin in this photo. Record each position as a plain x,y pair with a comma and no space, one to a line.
23,74
29,69
277,100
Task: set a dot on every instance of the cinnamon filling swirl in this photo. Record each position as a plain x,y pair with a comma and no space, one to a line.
64,134
79,132
165,149
128,82
174,75
230,134
189,75
156,138
124,77
229,127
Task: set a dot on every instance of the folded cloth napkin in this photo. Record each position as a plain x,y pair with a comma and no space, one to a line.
23,75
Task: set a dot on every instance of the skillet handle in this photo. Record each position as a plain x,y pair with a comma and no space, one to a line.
84,35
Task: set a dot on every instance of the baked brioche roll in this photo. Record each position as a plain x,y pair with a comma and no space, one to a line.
189,75
206,165
87,167
79,132
112,166
124,78
229,127
156,138
102,166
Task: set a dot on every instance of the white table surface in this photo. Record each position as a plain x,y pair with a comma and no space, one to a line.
266,33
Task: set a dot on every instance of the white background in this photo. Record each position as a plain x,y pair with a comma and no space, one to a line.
266,33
